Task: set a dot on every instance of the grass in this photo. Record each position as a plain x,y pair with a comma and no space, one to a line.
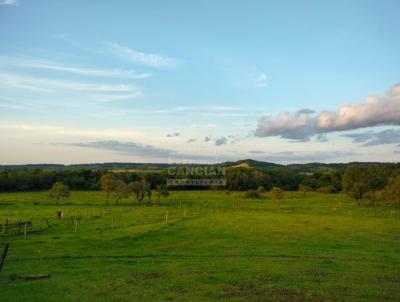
318,248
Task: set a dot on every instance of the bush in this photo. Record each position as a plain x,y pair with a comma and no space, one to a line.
375,196
260,189
304,189
277,193
326,189
252,194
392,191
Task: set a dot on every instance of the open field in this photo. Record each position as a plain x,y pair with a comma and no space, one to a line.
213,246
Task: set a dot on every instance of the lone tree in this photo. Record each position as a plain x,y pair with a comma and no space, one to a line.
147,192
356,182
121,190
140,188
277,193
107,183
59,190
304,189
161,192
136,187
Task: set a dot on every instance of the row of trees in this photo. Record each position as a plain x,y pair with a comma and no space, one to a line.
117,188
84,179
378,182
112,185
372,184
242,179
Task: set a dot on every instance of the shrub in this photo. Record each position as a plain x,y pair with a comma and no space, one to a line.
375,196
277,193
260,189
392,190
304,189
326,189
252,194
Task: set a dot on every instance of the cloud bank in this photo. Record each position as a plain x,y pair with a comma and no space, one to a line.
390,136
302,124
128,148
137,149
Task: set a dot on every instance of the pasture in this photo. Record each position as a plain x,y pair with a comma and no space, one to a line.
201,246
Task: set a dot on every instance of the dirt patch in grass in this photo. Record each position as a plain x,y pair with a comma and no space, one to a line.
254,293
146,275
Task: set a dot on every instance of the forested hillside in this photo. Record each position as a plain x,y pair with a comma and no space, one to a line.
241,175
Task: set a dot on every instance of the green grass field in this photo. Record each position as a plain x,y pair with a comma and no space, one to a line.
228,248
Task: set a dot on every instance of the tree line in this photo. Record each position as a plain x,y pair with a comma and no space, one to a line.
380,182
241,179
117,189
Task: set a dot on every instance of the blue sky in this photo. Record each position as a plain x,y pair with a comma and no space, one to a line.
162,81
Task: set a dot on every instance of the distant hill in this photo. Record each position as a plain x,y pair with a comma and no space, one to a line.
299,168
246,163
95,166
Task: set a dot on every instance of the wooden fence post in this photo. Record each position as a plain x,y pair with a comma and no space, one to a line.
76,225
166,217
25,227
184,213
3,256
19,225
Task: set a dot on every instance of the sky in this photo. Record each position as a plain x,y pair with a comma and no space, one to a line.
199,81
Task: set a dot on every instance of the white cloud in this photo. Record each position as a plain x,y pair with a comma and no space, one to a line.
97,91
48,65
376,110
295,125
9,2
261,80
16,105
135,56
